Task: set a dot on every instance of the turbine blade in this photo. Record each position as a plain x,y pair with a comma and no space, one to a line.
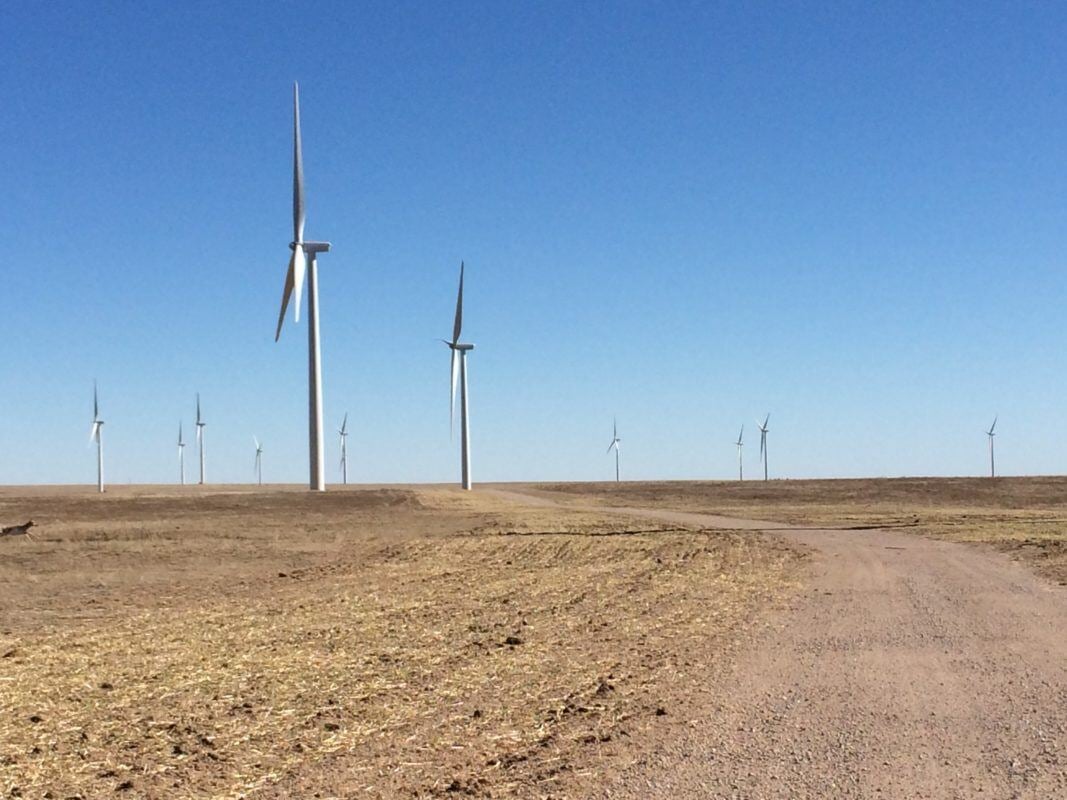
92,431
457,326
96,407
991,427
452,395
198,409
298,170
299,267
344,423
286,292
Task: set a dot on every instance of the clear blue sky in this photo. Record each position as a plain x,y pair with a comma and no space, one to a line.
851,216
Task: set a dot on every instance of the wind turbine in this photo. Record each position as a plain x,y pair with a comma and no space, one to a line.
181,454
96,434
763,429
343,431
259,461
992,463
615,442
461,351
740,443
200,425
305,258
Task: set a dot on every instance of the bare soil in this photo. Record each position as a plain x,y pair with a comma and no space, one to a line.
391,642
799,639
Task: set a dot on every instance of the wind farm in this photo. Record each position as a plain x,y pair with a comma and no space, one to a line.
680,219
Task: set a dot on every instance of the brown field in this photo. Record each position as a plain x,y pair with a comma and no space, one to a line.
1024,517
410,641
391,642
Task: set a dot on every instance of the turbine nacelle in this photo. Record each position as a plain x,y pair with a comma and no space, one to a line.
311,247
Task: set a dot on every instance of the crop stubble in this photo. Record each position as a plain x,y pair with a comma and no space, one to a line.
391,642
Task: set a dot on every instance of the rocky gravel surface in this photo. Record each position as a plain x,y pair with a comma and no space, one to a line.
909,668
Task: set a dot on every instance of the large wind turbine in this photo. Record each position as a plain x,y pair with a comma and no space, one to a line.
615,442
992,463
763,429
259,461
200,425
343,431
740,464
181,454
460,351
305,258
96,434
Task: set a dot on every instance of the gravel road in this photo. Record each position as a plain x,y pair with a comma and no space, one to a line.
908,668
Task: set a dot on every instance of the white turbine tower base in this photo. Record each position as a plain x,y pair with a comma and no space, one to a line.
305,257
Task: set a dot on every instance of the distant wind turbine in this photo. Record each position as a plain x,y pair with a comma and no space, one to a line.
615,442
305,257
740,464
259,460
96,434
992,463
343,432
459,351
181,454
200,425
763,429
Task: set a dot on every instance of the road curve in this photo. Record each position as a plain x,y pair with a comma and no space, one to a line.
907,668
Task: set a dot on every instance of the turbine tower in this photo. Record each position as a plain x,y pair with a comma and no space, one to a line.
615,442
305,258
740,464
460,351
259,461
96,434
343,431
181,455
200,425
992,463
763,429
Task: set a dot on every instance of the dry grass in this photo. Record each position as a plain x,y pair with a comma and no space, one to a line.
1025,517
380,643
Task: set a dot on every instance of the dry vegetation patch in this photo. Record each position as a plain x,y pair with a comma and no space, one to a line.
1025,517
407,644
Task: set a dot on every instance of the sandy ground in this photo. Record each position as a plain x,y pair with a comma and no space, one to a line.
550,641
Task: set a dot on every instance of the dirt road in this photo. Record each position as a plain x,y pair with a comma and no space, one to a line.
909,668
